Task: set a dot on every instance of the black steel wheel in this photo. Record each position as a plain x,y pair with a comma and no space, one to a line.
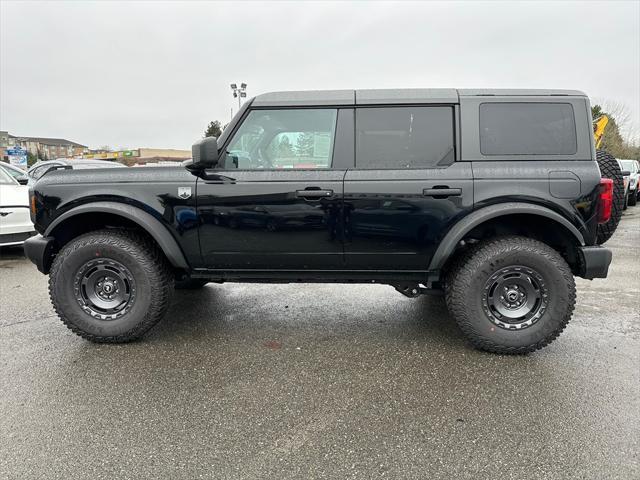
511,295
105,288
515,297
110,286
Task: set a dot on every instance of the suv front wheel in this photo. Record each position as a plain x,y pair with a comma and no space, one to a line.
110,286
511,295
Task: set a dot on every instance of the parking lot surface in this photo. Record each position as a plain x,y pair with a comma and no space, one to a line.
320,381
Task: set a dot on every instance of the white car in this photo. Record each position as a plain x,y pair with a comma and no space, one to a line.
634,179
15,221
16,172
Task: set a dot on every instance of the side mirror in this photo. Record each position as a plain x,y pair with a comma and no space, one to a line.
625,173
204,154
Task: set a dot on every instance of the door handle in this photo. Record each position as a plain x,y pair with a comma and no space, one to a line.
314,194
442,192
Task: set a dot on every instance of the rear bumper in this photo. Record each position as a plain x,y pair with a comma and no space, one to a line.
40,250
595,262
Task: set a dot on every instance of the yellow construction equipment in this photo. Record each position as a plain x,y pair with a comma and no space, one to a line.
599,124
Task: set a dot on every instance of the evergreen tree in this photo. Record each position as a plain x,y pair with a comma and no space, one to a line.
304,144
214,129
285,149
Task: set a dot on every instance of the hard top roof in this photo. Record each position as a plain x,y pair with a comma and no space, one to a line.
392,96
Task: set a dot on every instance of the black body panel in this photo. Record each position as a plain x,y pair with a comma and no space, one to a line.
395,219
153,190
271,219
569,188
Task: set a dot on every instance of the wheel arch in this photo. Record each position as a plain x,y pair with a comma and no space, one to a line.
132,216
490,215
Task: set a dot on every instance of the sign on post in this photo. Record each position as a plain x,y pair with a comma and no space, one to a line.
17,156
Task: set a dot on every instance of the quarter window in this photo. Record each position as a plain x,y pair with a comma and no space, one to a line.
404,137
283,139
527,129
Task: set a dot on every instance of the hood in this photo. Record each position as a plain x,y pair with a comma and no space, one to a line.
14,195
115,175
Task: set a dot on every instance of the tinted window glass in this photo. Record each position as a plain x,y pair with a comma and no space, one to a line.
404,137
527,129
278,139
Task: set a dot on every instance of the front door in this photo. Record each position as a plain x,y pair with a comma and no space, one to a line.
406,189
275,200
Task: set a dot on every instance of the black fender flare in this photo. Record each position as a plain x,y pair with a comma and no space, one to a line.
145,220
464,226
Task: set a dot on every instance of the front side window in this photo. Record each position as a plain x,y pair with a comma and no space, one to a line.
404,137
527,129
282,139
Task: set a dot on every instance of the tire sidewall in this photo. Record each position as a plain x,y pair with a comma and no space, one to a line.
551,320
65,298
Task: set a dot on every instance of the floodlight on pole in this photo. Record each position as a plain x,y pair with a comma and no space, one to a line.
239,93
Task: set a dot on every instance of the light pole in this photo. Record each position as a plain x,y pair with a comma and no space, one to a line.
239,93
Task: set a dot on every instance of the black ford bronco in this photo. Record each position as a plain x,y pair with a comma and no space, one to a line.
492,197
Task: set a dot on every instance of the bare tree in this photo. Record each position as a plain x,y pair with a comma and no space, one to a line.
623,117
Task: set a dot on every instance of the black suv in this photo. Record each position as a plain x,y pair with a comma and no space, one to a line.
490,196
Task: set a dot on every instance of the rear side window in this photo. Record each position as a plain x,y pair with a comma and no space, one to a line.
404,137
527,129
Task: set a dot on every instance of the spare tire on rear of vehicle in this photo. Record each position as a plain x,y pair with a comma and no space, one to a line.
609,168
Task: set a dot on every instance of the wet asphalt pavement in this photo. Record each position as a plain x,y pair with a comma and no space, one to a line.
320,381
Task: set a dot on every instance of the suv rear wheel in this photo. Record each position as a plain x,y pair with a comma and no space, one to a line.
511,295
110,286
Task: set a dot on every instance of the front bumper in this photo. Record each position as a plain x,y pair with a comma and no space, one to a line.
10,239
595,262
40,251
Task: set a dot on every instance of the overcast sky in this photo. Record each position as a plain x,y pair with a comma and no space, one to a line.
153,74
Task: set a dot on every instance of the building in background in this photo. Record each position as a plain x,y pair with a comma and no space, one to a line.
141,156
53,148
46,148
4,143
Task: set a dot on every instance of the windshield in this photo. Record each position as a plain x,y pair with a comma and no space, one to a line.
16,173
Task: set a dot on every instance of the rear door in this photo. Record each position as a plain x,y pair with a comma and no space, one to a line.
406,189
275,201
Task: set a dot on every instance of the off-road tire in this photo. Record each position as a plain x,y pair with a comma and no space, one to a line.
151,282
190,284
609,168
465,291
